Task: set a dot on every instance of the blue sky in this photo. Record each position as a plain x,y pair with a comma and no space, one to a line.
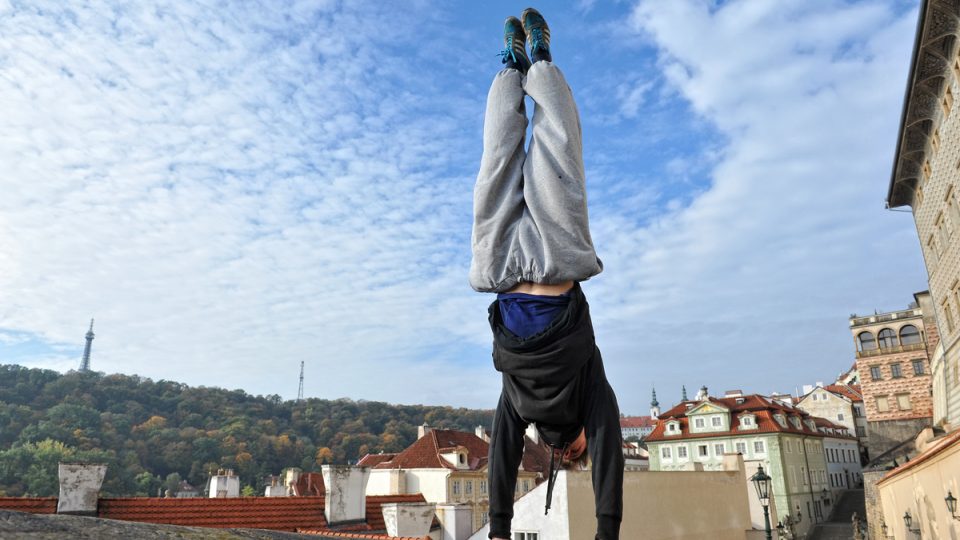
232,188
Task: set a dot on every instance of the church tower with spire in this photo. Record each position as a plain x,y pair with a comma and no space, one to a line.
85,363
654,406
684,397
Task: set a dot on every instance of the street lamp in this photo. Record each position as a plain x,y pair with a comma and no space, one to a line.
884,529
761,481
951,505
908,521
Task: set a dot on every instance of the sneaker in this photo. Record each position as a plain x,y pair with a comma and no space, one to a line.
538,33
514,53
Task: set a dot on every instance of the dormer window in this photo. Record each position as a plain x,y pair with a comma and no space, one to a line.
741,401
748,422
811,425
673,428
795,421
782,420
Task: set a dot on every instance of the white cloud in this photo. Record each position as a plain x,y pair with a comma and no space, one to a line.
758,273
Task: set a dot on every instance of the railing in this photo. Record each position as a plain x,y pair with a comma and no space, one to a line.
892,316
891,350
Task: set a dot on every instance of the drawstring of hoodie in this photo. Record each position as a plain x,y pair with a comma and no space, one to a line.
554,472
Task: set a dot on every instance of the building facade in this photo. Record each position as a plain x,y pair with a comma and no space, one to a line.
447,467
893,360
780,437
841,404
636,428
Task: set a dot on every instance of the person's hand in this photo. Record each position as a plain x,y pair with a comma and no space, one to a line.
577,447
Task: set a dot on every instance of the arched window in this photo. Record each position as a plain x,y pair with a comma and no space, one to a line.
866,341
909,334
887,338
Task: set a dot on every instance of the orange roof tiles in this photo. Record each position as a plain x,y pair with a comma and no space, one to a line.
636,422
425,452
358,535
851,392
30,505
764,409
275,513
372,460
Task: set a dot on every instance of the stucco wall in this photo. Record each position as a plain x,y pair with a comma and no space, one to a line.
677,505
921,490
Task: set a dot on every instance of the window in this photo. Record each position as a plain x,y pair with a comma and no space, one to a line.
718,449
682,452
840,417
716,421
788,445
758,447
526,536
895,370
456,487
781,420
952,210
918,367
875,373
673,427
741,448
882,404
948,314
866,341
947,102
909,335
483,487
919,196
702,450
698,422
746,421
942,230
887,338
484,518
861,432
526,486
935,141
903,402
927,171
469,487
813,397
933,250
665,452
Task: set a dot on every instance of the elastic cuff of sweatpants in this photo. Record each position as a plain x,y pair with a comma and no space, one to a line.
608,528
499,528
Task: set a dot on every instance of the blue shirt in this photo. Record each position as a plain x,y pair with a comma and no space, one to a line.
529,314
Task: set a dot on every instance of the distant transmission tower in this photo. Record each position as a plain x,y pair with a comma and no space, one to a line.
300,391
85,363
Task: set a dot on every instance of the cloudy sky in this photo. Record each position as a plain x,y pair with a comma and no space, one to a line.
231,188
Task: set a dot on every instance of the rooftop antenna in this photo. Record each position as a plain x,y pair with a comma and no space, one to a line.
85,363
300,391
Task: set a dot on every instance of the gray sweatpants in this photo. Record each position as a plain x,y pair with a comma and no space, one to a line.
530,207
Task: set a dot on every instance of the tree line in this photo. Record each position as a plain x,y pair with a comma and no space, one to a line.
152,434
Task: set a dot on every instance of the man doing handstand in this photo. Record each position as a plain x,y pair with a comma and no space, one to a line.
531,245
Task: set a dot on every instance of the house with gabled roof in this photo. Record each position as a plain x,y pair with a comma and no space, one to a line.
784,439
450,467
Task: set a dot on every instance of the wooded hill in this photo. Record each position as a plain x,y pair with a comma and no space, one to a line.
152,434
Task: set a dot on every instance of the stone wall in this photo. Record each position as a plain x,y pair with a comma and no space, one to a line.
887,434
874,511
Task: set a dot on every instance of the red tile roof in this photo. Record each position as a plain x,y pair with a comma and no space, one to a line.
636,422
425,452
851,392
762,407
30,505
358,535
276,513
372,460
309,485
536,458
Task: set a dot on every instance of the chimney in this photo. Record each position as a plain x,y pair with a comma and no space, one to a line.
80,488
224,485
291,477
276,489
733,393
807,388
703,393
423,430
408,519
482,433
533,433
346,488
456,521
820,384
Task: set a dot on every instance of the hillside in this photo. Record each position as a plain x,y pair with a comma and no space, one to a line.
152,434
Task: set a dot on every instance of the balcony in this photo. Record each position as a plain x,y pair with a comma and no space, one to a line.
884,317
891,350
